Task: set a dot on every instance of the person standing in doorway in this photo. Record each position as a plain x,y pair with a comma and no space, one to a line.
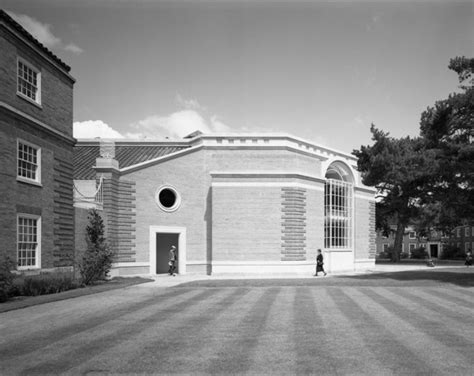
319,263
172,261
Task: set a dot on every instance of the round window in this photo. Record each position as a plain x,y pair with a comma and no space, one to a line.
167,198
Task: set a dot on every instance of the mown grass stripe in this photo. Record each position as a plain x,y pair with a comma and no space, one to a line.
310,337
168,348
274,352
450,298
435,334
343,339
236,353
53,335
81,351
381,329
432,306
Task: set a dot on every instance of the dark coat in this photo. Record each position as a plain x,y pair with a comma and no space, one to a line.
319,263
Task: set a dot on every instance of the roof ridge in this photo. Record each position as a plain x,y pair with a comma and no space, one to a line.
4,15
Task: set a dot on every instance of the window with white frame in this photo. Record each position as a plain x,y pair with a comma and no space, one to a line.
412,246
28,162
338,214
385,247
28,241
28,81
467,231
412,235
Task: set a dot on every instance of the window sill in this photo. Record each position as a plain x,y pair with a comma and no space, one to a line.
29,100
28,181
27,268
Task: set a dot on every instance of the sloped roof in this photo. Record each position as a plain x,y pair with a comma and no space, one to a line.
126,155
6,17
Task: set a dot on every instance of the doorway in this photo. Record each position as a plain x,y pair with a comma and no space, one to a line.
164,241
434,250
160,241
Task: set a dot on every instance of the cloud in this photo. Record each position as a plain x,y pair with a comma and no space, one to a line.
373,22
180,123
359,120
189,104
71,47
43,32
93,129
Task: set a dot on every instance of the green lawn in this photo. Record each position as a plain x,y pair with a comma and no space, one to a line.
390,324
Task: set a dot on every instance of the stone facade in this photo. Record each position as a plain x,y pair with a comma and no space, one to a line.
47,125
245,203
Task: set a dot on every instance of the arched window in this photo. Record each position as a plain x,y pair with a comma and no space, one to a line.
338,193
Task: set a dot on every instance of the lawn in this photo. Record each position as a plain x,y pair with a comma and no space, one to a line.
405,324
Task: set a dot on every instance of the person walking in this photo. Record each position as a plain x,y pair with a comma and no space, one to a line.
468,262
172,261
319,263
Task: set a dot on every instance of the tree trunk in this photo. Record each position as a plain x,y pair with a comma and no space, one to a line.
397,247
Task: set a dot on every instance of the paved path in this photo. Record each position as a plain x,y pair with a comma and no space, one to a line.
341,326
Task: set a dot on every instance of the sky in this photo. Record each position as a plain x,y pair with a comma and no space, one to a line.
322,71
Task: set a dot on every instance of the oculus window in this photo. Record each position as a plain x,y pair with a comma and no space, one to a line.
167,198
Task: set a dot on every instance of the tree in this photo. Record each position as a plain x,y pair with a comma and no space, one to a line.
447,131
97,259
398,168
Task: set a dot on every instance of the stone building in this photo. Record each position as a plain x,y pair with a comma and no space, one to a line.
230,203
36,152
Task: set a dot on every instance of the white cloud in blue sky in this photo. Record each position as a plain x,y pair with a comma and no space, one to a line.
93,129
180,123
43,32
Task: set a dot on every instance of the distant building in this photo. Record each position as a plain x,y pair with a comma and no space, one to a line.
462,238
411,240
36,149
230,203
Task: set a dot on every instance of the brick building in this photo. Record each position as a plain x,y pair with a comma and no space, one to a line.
433,243
230,203
36,148
462,238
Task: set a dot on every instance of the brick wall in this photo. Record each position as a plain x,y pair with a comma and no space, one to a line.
262,160
247,223
52,200
364,216
119,204
188,176
372,231
63,209
56,89
293,224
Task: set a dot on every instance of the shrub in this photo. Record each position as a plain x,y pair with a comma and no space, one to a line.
419,253
45,283
6,278
450,251
403,255
383,255
97,259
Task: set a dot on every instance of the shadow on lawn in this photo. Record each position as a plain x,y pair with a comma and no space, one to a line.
463,277
431,277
